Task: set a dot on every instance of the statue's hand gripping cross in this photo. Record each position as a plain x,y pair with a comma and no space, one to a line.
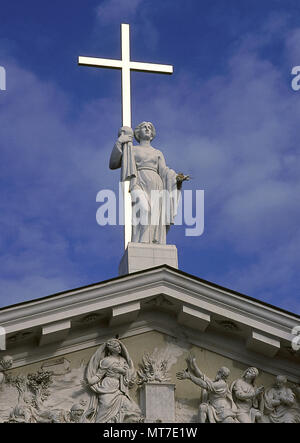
125,65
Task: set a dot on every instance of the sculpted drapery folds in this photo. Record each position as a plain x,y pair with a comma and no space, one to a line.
154,188
217,405
110,374
247,397
280,405
45,397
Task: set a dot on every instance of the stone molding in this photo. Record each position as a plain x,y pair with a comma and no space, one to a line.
196,304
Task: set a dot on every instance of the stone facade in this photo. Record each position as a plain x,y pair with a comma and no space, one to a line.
66,377
172,341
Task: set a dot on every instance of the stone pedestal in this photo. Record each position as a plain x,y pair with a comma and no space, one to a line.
157,402
139,256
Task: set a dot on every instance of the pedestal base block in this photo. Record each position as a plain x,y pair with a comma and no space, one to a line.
139,256
157,401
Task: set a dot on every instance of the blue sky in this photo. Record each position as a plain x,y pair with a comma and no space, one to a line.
228,117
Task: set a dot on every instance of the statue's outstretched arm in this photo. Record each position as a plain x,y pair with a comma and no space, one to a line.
193,367
199,381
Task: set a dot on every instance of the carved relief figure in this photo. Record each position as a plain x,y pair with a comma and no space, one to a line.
280,403
74,415
32,392
146,168
217,405
24,412
5,363
247,397
110,374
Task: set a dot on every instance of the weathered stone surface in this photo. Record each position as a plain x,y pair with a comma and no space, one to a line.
161,316
158,402
139,256
57,390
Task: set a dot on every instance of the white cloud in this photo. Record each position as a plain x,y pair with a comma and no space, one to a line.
120,11
134,12
293,47
51,170
236,134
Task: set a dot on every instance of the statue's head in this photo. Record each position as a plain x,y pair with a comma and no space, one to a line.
76,412
27,399
113,346
6,362
250,374
223,373
144,131
281,380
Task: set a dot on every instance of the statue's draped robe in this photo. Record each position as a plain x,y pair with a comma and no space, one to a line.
153,213
247,404
111,402
287,411
218,399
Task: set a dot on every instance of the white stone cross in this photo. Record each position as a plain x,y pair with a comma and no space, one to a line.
125,65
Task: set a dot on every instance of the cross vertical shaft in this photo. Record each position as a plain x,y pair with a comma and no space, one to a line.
126,89
126,66
126,121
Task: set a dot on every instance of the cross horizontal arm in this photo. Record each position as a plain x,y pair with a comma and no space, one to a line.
126,66
151,67
119,64
100,62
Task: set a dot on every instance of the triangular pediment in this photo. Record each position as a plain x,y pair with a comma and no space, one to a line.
159,299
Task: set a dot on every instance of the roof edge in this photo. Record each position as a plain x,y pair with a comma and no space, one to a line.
170,268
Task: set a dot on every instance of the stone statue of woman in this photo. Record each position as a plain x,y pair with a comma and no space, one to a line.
110,374
154,188
247,397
